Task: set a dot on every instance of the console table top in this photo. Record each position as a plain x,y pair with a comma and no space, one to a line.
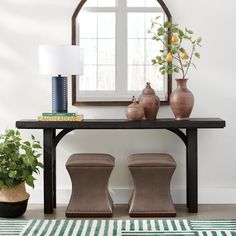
164,123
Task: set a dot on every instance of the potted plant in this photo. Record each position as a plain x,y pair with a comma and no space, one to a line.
18,163
176,56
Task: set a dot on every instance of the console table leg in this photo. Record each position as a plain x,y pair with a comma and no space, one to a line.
48,157
187,184
192,169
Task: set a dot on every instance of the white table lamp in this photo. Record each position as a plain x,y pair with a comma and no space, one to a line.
60,60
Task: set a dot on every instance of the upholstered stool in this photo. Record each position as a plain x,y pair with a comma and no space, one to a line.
89,175
151,175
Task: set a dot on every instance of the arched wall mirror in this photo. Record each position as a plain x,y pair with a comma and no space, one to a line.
117,51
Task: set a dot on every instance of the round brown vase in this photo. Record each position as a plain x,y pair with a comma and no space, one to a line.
181,100
134,111
150,102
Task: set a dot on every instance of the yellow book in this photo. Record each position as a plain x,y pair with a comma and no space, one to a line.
61,118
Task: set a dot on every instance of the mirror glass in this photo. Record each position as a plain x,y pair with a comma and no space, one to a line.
117,50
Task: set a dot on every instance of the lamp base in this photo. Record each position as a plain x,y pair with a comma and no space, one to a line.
59,94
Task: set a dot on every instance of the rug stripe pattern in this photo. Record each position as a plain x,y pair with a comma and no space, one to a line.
117,227
12,228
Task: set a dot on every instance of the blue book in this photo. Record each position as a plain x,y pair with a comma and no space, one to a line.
59,114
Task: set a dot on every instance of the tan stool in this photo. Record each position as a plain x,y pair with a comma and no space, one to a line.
151,175
89,175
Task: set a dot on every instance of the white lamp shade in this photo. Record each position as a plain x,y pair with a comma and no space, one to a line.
60,60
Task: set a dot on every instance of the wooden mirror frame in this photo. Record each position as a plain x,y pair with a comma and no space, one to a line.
113,103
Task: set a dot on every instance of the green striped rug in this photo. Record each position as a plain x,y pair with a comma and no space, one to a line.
117,227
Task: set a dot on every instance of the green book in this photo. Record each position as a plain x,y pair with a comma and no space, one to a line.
59,114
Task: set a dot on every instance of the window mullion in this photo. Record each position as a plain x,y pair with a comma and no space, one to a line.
121,47
97,54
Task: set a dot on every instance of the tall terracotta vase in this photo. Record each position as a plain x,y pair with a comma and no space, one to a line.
181,100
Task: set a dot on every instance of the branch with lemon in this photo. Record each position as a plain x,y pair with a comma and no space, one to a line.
174,57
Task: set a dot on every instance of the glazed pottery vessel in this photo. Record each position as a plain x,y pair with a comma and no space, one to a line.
150,102
134,111
181,100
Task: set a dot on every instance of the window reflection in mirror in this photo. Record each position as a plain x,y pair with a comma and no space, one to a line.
118,50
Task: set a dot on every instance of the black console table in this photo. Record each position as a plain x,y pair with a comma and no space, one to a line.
185,129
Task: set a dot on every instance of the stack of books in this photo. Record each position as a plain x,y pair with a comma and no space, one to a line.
51,116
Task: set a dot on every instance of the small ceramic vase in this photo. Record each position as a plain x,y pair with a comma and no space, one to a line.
181,100
150,102
134,111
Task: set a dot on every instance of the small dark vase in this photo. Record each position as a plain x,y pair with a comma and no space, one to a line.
181,100
150,102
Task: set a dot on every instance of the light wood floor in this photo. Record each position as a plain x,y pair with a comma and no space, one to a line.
121,212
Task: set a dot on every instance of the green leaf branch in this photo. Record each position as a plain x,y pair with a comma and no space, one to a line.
18,159
174,57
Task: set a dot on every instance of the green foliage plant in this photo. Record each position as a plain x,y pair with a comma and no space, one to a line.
18,159
173,57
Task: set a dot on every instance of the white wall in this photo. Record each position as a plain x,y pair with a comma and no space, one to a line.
24,94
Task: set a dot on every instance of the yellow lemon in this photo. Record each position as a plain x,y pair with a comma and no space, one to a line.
174,39
169,57
184,55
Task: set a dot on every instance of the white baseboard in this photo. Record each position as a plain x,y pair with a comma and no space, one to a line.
122,195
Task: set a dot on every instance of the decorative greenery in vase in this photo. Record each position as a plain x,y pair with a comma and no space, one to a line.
174,57
18,159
